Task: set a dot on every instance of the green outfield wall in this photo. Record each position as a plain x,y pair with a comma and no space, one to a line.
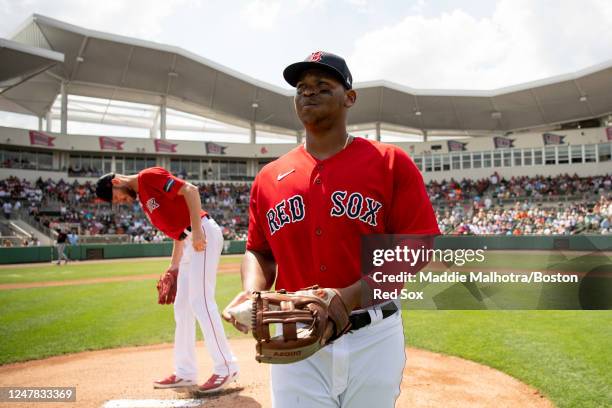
114,251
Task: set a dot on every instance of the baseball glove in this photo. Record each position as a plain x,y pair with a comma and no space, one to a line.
309,320
166,287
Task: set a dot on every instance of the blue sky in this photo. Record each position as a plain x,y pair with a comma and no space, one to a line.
418,43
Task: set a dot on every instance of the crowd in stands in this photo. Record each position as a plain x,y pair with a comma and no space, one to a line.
498,188
494,205
23,163
73,206
529,218
85,171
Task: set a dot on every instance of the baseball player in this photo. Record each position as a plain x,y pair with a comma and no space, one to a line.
61,246
308,210
174,207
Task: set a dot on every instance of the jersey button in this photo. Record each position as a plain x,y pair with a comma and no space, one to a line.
318,231
317,180
319,166
323,268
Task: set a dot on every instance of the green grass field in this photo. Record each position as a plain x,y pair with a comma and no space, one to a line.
76,270
565,354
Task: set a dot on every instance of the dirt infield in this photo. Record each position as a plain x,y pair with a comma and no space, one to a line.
430,379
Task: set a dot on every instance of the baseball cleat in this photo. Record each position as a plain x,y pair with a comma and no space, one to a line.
173,382
216,383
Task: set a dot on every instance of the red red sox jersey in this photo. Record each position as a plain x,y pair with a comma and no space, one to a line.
158,195
311,213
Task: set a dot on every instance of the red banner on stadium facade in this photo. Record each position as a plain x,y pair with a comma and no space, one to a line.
502,142
214,148
164,146
108,143
454,146
41,139
609,132
552,139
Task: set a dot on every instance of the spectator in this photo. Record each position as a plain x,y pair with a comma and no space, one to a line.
73,238
7,208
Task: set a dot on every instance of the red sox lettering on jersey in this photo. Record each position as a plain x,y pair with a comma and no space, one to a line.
353,207
312,213
285,212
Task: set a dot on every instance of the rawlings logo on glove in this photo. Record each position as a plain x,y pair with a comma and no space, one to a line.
166,287
309,320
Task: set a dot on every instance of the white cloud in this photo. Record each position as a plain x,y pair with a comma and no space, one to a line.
303,5
136,18
522,41
261,14
359,5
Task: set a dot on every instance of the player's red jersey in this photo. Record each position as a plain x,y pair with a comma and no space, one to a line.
311,213
158,194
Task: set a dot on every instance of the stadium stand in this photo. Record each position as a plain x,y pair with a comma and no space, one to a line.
52,205
562,205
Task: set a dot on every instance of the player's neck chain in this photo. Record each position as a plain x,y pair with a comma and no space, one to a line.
347,141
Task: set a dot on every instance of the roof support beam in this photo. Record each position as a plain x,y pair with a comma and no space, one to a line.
253,138
162,118
79,58
380,104
64,111
378,131
49,121
171,74
154,131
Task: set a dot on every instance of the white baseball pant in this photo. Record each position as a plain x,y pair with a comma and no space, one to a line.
361,369
195,300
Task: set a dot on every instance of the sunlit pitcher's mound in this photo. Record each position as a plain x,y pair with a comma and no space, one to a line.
100,377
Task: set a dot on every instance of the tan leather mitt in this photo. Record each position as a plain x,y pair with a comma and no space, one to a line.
309,320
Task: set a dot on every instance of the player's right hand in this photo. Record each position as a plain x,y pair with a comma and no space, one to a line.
198,240
239,299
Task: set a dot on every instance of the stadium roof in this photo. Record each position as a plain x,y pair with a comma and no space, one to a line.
103,65
21,62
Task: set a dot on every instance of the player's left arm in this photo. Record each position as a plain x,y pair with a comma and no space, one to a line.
192,198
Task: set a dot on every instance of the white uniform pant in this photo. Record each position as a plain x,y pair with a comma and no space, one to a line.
362,369
195,300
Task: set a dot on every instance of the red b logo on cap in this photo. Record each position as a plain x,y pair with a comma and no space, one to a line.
315,56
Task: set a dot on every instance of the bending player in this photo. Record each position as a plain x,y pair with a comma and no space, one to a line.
174,207
308,211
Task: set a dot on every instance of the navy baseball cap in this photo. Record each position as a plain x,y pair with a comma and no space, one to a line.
104,187
327,61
